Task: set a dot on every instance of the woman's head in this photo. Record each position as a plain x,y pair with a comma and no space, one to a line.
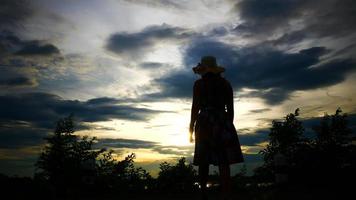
208,65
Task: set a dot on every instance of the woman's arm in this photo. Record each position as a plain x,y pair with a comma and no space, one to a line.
195,107
230,103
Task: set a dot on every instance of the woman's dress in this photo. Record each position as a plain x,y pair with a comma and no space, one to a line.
216,140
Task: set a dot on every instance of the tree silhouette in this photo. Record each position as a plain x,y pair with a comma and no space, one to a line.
178,177
64,158
333,146
310,158
70,164
284,138
333,130
122,175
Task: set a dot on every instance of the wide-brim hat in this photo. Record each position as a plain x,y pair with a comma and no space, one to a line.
208,64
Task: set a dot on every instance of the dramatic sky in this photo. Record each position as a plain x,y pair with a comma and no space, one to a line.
123,67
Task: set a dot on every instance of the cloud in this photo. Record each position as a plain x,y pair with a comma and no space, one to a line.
25,119
290,38
103,101
161,3
18,82
15,136
43,109
297,20
151,65
262,110
119,143
144,144
135,45
176,85
13,13
272,73
21,60
254,138
11,44
268,15
271,96
124,143
35,48
175,150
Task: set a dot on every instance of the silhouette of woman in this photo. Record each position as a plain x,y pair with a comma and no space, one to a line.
212,115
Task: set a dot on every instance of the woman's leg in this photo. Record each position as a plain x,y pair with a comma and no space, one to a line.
224,170
203,176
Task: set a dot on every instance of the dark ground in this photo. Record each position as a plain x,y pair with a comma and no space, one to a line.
290,192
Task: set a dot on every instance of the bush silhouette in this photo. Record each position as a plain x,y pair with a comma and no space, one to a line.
71,165
122,175
326,157
179,177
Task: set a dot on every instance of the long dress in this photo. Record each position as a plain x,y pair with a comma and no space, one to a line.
216,140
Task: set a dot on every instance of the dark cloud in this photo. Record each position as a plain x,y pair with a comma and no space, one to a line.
103,101
143,144
18,82
267,15
320,18
124,143
290,38
273,74
253,138
175,150
151,65
218,31
176,85
271,96
136,44
175,4
23,61
347,51
331,18
16,78
10,44
262,110
119,143
34,48
18,137
43,109
13,13
25,119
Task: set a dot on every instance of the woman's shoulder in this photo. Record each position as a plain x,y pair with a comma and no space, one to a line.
198,82
226,84
225,81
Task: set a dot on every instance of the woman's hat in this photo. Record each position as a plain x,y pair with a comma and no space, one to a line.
208,64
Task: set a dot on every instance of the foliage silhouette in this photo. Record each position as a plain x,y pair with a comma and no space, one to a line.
72,166
328,156
63,159
122,175
333,130
283,137
179,177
